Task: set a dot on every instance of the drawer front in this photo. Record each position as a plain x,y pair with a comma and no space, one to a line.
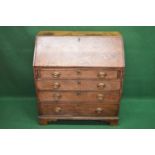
78,96
77,74
79,110
78,85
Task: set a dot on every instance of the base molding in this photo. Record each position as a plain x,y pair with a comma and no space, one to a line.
44,120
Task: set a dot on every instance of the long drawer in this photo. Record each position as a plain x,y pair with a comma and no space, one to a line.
77,73
100,85
78,96
79,110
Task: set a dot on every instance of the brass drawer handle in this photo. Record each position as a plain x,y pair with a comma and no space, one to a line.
100,97
99,110
57,96
58,109
56,85
101,85
102,74
56,74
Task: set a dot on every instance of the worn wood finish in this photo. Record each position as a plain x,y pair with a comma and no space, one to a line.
77,33
79,96
78,75
88,51
70,109
100,85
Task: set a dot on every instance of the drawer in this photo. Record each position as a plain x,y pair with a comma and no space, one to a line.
77,73
78,85
79,110
78,96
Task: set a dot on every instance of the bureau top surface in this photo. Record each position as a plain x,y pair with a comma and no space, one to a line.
78,49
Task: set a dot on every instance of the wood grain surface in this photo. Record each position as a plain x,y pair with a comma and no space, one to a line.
71,85
78,96
78,75
86,50
78,109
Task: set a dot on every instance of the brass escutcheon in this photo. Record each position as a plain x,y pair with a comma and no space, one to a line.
78,82
78,72
78,93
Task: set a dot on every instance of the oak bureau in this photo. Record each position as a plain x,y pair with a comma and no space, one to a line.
78,75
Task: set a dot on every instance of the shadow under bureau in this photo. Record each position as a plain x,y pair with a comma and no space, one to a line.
78,75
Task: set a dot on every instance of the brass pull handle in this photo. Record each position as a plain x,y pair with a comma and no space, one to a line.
56,74
101,85
102,74
56,85
58,109
99,110
57,96
100,97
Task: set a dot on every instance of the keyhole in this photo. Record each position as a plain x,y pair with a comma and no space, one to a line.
78,82
78,93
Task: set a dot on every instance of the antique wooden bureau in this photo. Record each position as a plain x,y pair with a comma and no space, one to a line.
78,75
